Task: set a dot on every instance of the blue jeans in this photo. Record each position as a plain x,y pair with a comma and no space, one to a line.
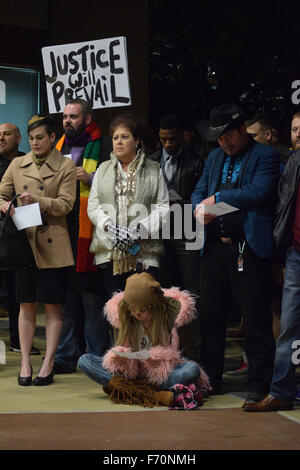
83,326
283,385
185,373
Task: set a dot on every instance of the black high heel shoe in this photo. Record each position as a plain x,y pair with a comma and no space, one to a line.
44,380
25,381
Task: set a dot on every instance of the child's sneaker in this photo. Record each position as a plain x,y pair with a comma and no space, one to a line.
242,371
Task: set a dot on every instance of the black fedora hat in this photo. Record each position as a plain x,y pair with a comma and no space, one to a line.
221,119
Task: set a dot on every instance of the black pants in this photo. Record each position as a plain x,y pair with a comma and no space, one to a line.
114,283
13,308
181,268
219,278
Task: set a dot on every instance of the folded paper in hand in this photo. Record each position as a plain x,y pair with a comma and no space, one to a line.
221,208
143,354
27,216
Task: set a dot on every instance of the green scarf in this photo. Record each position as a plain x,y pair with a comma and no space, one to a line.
39,161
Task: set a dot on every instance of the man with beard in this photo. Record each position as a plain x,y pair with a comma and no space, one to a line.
267,130
83,324
295,131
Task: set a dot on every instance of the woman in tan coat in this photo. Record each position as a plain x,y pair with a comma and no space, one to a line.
45,177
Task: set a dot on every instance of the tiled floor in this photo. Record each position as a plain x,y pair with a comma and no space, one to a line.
76,393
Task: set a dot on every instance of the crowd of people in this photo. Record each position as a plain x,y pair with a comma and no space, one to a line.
128,292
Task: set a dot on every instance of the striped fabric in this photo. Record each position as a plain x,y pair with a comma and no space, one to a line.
84,262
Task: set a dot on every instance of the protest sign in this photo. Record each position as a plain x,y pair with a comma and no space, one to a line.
96,71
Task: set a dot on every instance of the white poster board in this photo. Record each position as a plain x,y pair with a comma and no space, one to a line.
96,71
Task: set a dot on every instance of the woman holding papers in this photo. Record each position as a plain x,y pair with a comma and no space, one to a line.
127,204
45,177
147,318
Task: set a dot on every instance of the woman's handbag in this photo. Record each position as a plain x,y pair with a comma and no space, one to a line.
15,251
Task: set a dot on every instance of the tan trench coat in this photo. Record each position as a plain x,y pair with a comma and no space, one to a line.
54,188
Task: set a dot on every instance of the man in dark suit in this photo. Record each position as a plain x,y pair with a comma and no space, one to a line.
180,265
238,246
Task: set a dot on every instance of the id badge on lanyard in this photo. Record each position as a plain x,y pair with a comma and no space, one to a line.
240,256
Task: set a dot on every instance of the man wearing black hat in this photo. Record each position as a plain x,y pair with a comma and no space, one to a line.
238,246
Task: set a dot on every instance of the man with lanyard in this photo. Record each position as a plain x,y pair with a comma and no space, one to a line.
237,247
83,324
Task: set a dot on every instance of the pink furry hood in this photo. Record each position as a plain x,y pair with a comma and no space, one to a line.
168,355
186,314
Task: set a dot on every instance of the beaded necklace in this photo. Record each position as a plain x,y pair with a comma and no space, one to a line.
124,194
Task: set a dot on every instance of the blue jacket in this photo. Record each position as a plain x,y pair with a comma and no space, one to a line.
255,194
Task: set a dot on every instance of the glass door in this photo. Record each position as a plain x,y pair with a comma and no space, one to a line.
19,98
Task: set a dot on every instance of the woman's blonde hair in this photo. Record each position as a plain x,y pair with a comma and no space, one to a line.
164,311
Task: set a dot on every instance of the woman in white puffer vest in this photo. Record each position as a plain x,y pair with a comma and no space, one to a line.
128,203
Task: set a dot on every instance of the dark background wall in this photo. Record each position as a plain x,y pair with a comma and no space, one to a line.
23,29
28,25
78,20
184,57
208,52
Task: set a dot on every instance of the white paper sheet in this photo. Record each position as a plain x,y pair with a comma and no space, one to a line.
27,216
221,208
143,354
100,76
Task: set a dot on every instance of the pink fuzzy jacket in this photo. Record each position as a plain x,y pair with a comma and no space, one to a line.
168,356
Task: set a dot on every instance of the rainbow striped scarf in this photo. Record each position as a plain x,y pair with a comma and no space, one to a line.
84,261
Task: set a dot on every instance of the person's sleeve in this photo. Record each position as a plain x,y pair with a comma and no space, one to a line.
166,359
6,186
95,210
62,204
129,368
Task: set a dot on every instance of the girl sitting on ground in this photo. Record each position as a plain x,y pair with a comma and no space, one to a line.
147,317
